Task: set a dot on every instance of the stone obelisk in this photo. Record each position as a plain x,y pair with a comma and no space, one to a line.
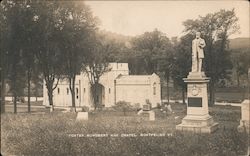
197,118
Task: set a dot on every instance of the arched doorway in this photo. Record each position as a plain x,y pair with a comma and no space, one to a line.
98,92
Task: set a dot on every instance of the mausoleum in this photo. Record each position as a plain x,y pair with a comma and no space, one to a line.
114,86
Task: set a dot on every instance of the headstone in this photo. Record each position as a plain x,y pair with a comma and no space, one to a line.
146,107
169,108
151,116
197,118
82,116
244,122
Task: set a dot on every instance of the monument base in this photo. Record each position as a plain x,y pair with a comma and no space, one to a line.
198,124
244,126
196,75
244,122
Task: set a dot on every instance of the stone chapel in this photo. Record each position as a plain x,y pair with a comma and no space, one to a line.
115,85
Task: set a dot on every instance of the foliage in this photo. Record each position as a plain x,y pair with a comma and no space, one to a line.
182,62
85,108
149,48
96,64
12,17
45,34
76,26
241,62
123,106
216,28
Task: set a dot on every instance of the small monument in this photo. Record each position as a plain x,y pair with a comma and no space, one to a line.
82,116
244,122
197,118
146,107
151,116
146,110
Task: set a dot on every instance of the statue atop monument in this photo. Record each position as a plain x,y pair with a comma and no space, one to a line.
197,52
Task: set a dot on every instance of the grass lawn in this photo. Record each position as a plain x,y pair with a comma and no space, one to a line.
60,134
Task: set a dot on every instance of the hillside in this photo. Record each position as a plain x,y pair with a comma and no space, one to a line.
239,43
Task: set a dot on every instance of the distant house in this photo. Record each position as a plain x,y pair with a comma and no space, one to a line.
114,86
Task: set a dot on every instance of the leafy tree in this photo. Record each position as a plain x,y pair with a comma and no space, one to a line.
77,23
96,64
182,62
12,18
216,28
4,63
147,48
119,46
165,60
48,52
28,46
241,63
153,52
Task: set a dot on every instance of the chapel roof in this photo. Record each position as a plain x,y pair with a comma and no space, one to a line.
134,79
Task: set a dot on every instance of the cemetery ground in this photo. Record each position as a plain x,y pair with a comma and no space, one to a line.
59,133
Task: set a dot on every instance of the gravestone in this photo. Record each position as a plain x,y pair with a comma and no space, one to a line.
197,118
151,116
146,107
244,122
82,116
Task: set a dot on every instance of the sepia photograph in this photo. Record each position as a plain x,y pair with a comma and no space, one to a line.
125,77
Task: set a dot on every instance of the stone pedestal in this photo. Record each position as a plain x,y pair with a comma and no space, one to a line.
146,107
82,116
197,118
244,122
150,114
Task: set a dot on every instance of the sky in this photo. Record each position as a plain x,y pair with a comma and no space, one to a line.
136,17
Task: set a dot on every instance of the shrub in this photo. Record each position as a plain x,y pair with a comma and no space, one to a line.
123,106
85,108
136,107
158,106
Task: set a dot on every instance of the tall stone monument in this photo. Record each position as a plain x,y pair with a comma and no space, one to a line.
245,111
197,118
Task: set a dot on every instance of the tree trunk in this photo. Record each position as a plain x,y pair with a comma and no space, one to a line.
14,94
211,93
50,95
3,85
238,79
183,95
161,93
248,91
95,96
4,67
28,78
14,102
14,88
72,90
94,90
50,88
36,92
168,89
